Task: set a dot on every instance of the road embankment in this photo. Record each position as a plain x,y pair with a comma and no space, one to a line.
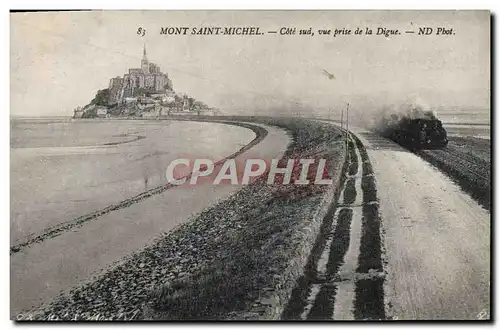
239,259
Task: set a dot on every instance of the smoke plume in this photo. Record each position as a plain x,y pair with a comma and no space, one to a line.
395,113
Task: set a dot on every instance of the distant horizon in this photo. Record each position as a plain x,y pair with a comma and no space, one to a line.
457,110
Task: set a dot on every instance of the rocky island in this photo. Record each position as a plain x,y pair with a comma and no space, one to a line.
144,92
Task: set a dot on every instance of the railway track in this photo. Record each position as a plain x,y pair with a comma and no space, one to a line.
344,277
474,165
471,173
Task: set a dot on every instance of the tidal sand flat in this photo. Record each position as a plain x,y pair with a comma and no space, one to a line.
63,169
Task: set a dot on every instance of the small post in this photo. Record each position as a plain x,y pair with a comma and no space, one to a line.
347,117
347,132
342,119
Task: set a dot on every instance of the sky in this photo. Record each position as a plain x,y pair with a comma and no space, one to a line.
60,59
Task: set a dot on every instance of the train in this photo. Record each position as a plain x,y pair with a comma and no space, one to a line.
414,133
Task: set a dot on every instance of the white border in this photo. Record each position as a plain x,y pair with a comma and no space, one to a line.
185,4
252,4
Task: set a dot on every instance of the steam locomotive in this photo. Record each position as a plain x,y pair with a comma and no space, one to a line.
415,133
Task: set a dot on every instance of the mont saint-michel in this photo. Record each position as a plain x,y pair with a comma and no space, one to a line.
212,30
142,92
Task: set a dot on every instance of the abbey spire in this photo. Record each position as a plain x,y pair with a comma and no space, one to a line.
144,55
144,62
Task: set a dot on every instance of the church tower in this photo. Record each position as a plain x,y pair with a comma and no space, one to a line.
144,62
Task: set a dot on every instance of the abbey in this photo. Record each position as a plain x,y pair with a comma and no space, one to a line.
146,78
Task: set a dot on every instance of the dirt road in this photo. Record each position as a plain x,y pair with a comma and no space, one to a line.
437,238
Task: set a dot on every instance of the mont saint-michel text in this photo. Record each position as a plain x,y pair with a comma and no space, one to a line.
214,30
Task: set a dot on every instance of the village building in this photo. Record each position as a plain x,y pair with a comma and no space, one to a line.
102,112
